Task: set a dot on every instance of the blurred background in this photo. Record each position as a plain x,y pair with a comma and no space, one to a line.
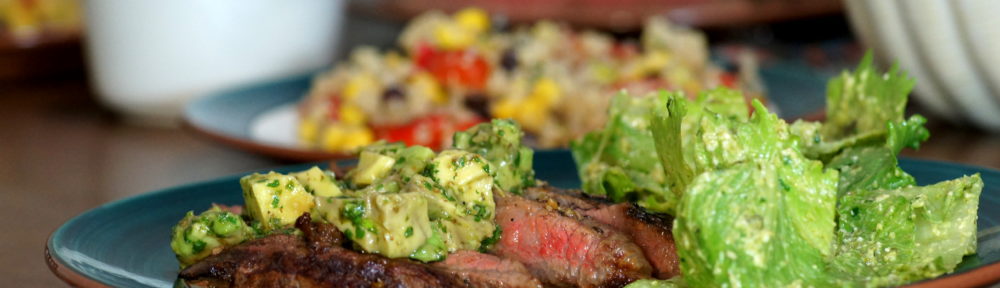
96,96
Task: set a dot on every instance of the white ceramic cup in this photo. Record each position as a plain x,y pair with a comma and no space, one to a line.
147,58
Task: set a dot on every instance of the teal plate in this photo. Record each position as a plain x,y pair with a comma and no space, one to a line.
232,116
126,243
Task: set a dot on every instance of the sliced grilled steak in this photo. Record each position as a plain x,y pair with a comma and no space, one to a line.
317,259
481,269
565,251
652,232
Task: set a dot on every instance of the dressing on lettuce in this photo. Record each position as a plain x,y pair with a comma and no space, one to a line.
757,212
890,237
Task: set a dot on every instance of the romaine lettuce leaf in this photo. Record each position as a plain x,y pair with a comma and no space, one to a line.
667,136
907,134
869,168
758,213
861,103
737,227
891,237
621,161
861,106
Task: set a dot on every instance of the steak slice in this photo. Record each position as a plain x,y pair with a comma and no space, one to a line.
565,251
482,269
651,231
318,259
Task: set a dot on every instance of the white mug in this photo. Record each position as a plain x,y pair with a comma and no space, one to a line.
147,58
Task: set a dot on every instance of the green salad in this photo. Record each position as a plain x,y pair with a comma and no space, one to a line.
760,202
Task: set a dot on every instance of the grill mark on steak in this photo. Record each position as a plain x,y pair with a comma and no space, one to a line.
474,267
564,251
318,259
650,231
566,198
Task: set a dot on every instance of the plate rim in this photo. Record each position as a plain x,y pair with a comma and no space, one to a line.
255,147
247,144
979,276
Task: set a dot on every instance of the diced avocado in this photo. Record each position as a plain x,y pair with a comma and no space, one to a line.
434,249
413,159
464,173
410,202
371,167
274,199
393,225
196,237
398,222
319,182
441,203
500,142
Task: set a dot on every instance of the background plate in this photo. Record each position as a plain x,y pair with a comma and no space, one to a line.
126,243
261,118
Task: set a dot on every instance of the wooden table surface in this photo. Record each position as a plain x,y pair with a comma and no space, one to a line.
62,154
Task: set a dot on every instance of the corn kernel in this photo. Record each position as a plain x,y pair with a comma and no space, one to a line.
394,60
473,19
346,137
430,87
632,71
532,114
546,90
357,137
351,114
505,108
333,135
679,77
360,83
655,61
692,87
450,36
308,131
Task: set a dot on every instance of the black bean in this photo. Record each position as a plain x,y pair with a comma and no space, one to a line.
478,103
508,60
393,93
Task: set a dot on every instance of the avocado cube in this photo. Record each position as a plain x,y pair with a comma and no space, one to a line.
274,199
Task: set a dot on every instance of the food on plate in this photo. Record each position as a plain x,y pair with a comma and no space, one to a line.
469,215
319,259
677,192
454,71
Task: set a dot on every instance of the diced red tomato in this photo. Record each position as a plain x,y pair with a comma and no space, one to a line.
461,67
334,108
433,131
424,54
728,79
625,50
